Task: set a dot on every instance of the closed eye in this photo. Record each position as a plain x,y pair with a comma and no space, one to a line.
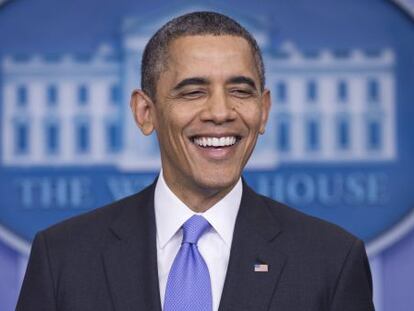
193,94
242,93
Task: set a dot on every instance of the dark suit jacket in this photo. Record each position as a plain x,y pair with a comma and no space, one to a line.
106,260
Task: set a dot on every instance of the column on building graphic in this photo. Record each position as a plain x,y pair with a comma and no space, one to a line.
332,105
61,109
140,152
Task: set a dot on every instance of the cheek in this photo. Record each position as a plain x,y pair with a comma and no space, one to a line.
165,128
172,123
168,118
250,113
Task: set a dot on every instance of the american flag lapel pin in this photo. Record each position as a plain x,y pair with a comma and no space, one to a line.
261,267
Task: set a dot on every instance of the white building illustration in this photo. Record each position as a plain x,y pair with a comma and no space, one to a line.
69,110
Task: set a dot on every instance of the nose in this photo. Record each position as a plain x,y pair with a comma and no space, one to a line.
218,109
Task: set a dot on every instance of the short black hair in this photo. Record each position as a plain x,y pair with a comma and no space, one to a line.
154,59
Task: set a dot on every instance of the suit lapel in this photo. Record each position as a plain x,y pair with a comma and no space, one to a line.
254,242
130,258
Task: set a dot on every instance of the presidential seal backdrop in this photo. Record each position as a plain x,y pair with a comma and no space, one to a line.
338,144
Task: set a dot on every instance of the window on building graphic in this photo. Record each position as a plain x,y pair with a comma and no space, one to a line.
283,136
373,90
113,137
312,135
374,135
82,137
52,96
343,135
52,138
22,96
83,95
115,94
342,91
21,137
281,92
311,91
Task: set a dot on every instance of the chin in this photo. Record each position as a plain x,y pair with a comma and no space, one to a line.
217,181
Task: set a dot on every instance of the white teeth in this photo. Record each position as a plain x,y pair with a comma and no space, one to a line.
215,141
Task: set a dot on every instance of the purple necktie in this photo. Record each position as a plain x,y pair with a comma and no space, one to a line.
188,286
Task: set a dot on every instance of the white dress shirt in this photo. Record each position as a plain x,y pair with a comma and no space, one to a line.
214,245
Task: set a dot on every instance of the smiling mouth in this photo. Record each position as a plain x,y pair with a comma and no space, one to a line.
215,142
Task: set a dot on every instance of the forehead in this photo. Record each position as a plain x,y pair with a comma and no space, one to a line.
209,55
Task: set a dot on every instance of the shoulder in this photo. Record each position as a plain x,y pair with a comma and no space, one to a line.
91,227
312,242
308,233
321,258
297,220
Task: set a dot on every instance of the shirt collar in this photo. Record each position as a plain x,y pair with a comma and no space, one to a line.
171,213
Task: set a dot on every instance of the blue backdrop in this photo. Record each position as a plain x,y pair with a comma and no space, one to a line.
338,144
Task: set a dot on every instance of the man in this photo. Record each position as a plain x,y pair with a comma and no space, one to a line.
198,238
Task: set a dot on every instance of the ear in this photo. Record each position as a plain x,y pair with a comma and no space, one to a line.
143,110
266,104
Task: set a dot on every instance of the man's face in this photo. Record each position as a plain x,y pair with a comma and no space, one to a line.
208,112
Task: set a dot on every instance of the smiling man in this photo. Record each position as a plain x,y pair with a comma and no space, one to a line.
198,238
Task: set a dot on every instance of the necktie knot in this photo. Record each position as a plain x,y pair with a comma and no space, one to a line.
194,228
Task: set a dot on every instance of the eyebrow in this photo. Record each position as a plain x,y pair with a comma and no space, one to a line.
204,81
191,81
242,80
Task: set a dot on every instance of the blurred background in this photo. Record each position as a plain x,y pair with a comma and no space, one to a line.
339,143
